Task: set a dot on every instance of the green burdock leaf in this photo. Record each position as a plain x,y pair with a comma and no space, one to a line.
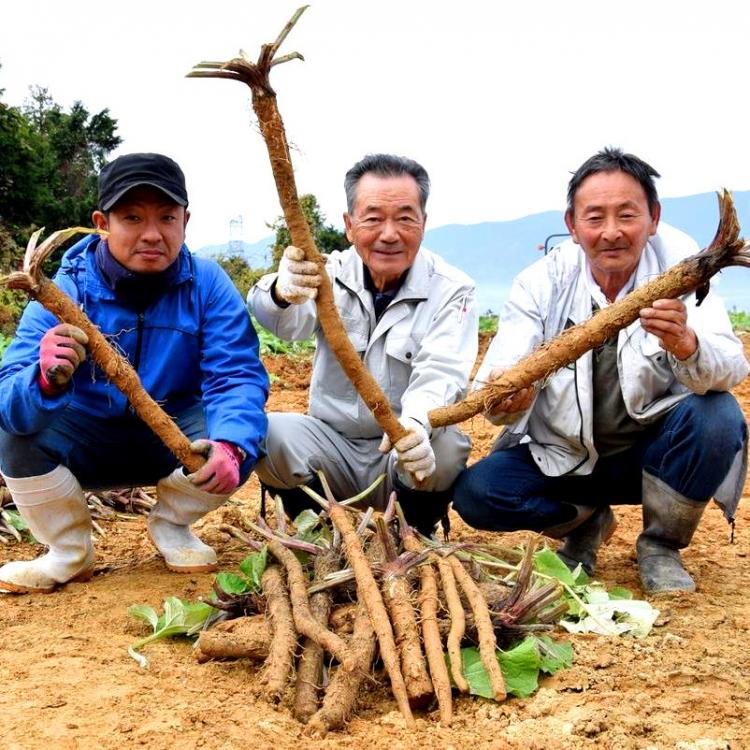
231,583
520,666
180,618
554,656
253,566
549,564
305,522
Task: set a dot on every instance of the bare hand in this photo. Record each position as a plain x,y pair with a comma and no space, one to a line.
519,401
667,320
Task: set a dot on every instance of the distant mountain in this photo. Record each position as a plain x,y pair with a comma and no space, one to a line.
494,252
257,254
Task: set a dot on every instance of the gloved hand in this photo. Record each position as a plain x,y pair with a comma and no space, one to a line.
220,474
415,453
298,279
61,350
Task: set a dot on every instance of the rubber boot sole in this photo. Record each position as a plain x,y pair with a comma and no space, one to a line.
14,588
206,568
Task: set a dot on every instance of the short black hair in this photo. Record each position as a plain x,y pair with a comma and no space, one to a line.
612,159
386,165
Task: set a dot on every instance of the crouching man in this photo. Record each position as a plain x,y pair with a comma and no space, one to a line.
645,418
411,317
182,325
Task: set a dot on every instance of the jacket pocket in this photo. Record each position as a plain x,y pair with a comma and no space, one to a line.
401,351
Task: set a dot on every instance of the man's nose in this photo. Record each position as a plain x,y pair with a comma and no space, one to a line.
611,230
151,231
389,231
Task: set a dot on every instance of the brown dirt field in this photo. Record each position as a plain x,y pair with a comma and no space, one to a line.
66,681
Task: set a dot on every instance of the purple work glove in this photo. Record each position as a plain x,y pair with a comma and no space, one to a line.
61,350
220,475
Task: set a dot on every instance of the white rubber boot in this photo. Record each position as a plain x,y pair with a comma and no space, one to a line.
56,513
179,504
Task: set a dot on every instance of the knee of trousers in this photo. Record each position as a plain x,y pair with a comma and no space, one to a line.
451,448
715,419
19,456
285,464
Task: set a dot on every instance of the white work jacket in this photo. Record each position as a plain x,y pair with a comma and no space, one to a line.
420,351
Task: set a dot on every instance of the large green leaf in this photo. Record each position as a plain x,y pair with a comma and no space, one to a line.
231,583
254,565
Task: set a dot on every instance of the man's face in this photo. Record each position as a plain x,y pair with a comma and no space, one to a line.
386,226
146,229
612,223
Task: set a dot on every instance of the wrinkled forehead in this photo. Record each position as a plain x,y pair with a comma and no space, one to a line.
378,191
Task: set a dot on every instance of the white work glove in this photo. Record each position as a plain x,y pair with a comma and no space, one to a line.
298,279
415,453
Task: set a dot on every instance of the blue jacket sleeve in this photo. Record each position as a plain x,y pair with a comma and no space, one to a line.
24,410
235,383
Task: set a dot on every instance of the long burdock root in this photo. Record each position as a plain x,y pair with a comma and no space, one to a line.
397,596
256,76
485,630
114,365
241,638
278,666
433,644
310,667
341,696
304,620
726,249
369,593
457,622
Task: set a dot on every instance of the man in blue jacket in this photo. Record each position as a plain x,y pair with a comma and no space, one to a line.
183,326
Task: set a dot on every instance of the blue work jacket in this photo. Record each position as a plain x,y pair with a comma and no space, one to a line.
195,343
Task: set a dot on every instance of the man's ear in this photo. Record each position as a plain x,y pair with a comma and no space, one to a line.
571,226
99,220
187,218
655,216
348,228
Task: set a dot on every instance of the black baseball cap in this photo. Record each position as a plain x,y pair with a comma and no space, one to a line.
131,170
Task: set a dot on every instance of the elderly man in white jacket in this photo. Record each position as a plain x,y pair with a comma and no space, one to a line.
411,316
645,418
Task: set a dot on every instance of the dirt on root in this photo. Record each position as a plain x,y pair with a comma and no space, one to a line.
66,681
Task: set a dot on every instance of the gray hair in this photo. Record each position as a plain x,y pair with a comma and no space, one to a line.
386,165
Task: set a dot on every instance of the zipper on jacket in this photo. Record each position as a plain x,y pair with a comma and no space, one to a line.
580,414
137,356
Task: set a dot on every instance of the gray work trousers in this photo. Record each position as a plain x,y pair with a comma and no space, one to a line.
298,446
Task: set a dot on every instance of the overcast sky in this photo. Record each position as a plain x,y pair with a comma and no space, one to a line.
499,101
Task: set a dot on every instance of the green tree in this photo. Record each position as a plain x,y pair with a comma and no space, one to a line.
239,271
326,236
49,160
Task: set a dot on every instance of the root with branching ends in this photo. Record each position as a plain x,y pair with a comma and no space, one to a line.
280,660
485,630
369,593
726,249
341,696
32,281
304,621
256,76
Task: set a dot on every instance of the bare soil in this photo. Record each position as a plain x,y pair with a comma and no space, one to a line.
66,681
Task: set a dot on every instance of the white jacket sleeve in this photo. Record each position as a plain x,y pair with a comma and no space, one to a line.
719,364
442,366
290,323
